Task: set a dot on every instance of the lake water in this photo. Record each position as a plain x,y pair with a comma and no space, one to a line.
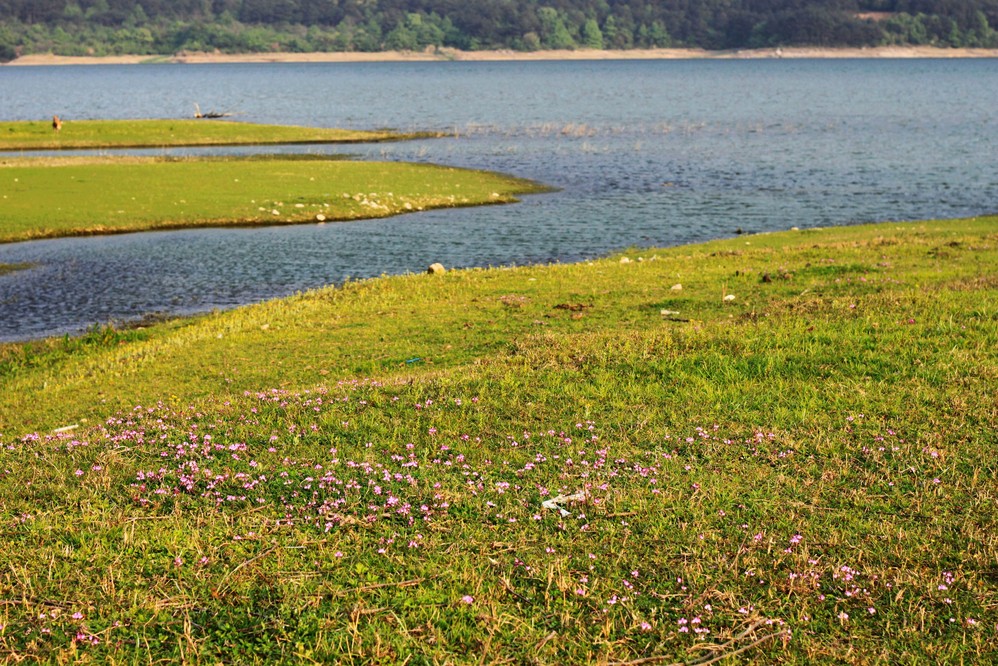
645,153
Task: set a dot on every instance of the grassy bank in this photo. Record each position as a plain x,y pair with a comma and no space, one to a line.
156,133
82,196
10,268
802,473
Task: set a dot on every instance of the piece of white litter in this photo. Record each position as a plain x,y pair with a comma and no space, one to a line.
666,313
676,287
729,297
560,500
66,428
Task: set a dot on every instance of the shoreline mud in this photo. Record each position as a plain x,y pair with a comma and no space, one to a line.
449,55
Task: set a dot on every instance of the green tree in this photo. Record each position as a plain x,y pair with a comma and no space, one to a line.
72,13
98,11
981,34
592,36
554,32
8,44
401,38
658,36
617,34
905,29
137,17
415,32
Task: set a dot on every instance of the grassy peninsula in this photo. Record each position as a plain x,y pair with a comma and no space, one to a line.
164,133
779,446
83,196
10,268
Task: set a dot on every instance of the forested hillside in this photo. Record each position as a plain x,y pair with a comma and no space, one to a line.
100,27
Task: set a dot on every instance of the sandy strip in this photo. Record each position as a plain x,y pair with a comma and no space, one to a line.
442,55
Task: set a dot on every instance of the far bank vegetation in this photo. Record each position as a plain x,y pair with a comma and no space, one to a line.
161,27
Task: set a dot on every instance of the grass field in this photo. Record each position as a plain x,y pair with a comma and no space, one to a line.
790,459
97,134
81,196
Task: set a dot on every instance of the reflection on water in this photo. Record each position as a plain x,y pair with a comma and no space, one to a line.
645,153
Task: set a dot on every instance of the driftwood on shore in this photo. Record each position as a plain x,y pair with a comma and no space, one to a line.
209,114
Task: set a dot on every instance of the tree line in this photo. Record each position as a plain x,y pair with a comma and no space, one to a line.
108,27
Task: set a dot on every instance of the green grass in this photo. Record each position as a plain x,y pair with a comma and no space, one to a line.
356,474
10,268
82,196
97,134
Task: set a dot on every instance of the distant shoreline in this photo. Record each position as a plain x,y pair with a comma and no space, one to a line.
445,55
